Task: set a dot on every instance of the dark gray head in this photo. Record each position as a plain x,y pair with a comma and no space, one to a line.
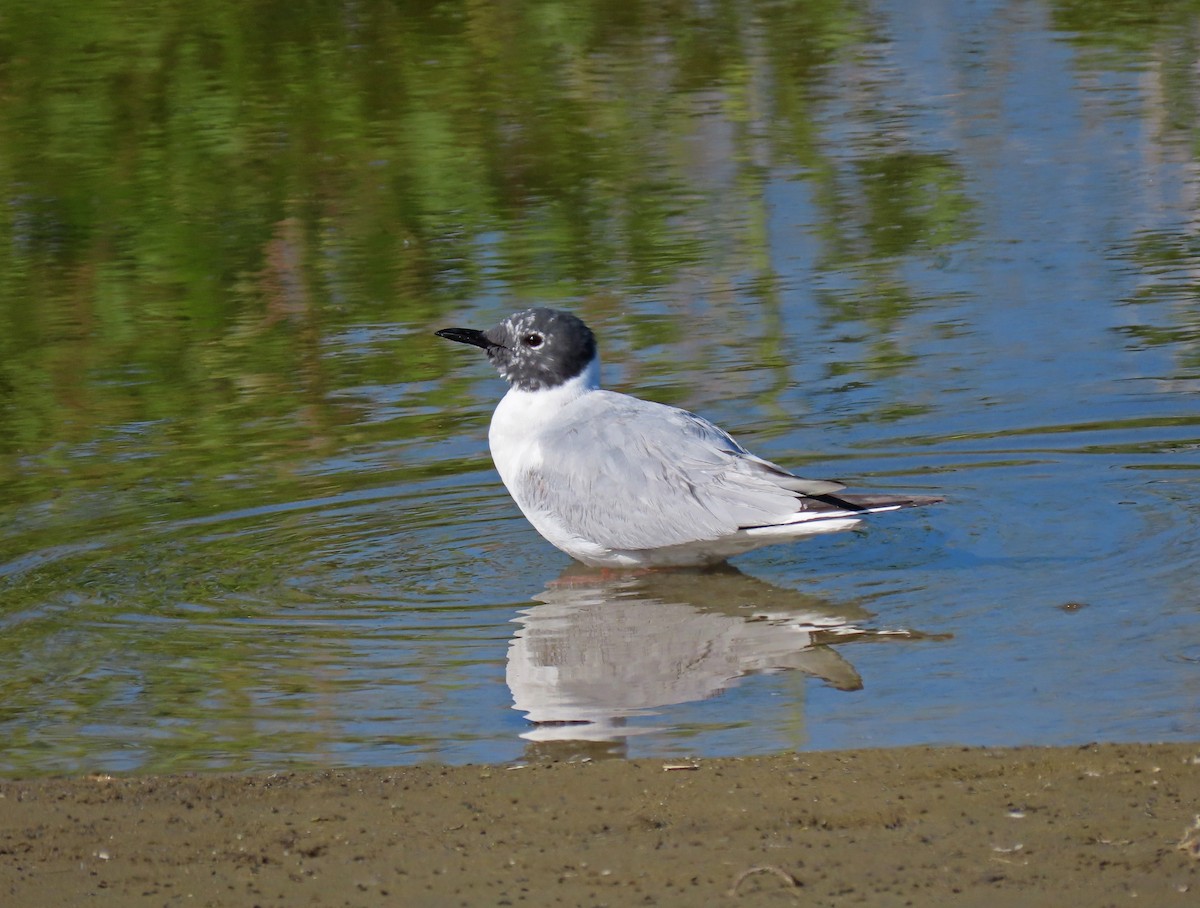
535,348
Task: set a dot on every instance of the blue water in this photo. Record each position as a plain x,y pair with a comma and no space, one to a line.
1038,368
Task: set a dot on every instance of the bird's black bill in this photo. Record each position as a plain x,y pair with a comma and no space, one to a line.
466,336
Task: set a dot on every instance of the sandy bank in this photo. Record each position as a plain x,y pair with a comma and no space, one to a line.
1095,825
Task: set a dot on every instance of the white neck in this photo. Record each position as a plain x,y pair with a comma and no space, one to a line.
521,415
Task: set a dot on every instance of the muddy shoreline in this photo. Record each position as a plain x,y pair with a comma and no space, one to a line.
1094,825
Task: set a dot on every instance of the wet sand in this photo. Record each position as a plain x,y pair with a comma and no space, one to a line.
1095,825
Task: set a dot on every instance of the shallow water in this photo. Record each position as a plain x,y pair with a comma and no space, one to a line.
247,516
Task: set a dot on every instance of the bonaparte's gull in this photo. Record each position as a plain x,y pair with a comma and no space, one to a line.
615,481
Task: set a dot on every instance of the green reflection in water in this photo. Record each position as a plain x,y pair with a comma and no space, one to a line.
202,199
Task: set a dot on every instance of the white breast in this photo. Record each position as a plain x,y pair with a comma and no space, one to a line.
515,442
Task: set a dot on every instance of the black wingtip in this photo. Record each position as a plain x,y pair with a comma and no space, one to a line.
868,503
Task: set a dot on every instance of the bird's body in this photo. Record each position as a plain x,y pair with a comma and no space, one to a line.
616,481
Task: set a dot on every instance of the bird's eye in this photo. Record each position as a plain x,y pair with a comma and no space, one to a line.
532,340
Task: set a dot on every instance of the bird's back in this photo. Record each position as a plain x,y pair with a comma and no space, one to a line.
629,474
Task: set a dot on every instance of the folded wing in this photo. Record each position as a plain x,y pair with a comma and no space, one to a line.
631,474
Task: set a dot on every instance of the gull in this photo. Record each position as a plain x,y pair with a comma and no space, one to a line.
619,482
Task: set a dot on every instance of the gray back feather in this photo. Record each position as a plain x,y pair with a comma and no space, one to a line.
633,474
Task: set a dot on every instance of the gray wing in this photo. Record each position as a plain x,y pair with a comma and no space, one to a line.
632,474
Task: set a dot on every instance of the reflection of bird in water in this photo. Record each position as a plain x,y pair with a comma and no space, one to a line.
602,649
616,481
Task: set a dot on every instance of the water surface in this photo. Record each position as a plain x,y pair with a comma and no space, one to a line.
247,515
